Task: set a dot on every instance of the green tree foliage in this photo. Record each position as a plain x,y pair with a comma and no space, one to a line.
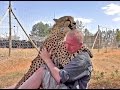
118,35
40,29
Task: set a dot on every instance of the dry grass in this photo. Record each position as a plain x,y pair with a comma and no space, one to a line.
106,69
13,68
106,72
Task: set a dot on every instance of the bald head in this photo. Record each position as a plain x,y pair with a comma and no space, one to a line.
73,40
74,37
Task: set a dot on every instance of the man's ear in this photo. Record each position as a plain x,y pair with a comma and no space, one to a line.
55,20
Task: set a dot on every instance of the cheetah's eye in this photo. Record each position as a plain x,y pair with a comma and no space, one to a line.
67,20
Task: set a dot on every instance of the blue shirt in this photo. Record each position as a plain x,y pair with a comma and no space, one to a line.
77,73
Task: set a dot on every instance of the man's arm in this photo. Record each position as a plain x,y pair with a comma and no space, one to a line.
53,69
76,69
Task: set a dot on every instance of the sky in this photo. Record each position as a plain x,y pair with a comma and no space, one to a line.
91,13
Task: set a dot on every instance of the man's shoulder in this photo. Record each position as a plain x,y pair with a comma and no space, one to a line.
83,55
88,51
82,58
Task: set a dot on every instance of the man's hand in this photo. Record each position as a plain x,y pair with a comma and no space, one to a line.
45,55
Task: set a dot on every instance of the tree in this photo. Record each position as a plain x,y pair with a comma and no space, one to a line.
40,29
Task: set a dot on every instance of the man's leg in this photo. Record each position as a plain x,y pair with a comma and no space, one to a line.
34,81
49,82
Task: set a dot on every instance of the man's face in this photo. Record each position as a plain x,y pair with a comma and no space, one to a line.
72,42
71,48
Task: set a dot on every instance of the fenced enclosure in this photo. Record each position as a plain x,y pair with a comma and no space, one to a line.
102,39
20,45
14,34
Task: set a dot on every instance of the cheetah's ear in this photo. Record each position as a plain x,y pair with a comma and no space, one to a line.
55,20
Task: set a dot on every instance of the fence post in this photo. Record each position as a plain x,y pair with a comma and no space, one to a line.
98,38
10,39
106,41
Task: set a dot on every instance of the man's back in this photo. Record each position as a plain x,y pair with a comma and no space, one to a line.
77,73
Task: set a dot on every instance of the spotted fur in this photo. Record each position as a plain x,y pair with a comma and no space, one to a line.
54,40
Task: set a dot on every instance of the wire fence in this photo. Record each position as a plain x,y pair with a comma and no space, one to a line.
103,38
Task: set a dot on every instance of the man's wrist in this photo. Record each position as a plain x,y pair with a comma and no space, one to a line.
47,61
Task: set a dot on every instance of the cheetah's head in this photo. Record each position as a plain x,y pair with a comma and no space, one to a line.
65,21
63,25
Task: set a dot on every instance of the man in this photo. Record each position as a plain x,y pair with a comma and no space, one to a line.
75,75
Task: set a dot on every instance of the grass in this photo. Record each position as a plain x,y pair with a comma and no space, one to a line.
105,75
13,68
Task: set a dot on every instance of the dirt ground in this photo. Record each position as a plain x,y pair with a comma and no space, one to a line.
105,75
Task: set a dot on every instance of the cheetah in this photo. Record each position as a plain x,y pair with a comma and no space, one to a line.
59,54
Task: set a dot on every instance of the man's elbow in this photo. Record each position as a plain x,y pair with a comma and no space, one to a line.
58,80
